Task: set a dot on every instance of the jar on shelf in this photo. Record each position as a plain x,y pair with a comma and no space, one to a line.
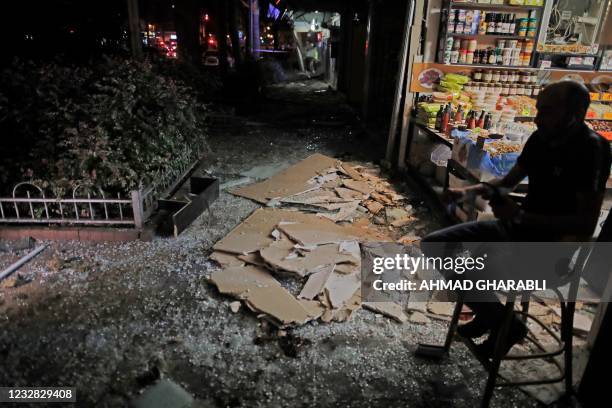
503,76
456,44
454,56
528,90
525,77
525,59
487,76
505,89
496,76
472,45
520,89
512,90
536,91
477,75
497,88
462,56
513,77
469,57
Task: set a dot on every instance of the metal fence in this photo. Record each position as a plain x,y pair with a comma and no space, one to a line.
30,205
88,206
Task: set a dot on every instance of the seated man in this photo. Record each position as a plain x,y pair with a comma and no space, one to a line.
568,166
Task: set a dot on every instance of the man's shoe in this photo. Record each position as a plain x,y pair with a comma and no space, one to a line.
474,328
517,332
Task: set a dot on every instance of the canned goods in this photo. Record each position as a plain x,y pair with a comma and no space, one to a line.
522,32
532,23
531,33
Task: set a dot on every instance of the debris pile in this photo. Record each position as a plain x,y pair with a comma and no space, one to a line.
335,190
317,214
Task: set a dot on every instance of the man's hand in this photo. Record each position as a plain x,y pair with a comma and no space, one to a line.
458,193
504,207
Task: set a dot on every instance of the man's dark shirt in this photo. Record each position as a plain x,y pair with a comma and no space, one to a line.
561,166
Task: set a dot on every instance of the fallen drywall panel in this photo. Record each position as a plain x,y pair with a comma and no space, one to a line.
361,186
348,194
237,281
343,314
282,256
252,259
318,233
262,293
291,181
389,309
279,304
314,308
315,284
339,288
226,260
374,207
256,231
351,172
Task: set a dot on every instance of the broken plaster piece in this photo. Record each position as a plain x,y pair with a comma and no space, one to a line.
360,186
291,181
262,293
281,257
315,283
389,309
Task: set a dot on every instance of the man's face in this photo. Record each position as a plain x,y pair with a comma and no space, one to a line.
553,115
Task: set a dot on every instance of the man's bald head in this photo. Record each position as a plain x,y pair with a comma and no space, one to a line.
570,96
562,104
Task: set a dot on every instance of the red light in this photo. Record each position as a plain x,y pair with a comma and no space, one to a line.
205,17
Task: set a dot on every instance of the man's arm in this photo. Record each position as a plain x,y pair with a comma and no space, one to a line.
510,181
579,226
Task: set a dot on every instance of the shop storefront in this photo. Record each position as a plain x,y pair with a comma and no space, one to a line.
473,90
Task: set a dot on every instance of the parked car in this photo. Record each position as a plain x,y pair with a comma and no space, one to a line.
211,59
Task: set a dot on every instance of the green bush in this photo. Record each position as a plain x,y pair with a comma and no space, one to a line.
112,126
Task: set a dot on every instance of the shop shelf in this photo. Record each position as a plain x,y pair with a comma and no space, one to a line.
529,68
486,6
501,36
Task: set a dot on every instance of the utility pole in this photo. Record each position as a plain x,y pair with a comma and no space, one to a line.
134,26
254,42
233,31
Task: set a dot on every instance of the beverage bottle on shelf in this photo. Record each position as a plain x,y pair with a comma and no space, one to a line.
488,121
471,122
482,25
506,24
491,26
512,26
439,115
481,120
459,115
491,56
446,117
498,23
